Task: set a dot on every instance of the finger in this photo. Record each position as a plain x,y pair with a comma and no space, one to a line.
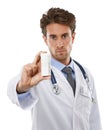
37,78
37,57
30,69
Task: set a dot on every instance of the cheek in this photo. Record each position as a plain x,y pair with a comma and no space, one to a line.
69,48
69,45
51,47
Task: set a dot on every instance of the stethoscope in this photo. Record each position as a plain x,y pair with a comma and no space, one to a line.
56,89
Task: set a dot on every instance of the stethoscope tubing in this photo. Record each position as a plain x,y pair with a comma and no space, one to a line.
57,90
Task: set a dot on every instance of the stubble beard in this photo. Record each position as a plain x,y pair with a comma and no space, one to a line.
63,58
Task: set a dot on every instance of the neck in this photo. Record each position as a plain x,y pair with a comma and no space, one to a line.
64,61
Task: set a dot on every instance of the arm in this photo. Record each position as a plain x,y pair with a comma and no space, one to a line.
95,122
21,88
25,100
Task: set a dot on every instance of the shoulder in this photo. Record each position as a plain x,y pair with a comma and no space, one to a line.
90,78
84,71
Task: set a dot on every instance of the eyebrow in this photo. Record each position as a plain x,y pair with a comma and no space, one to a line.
65,34
61,35
52,35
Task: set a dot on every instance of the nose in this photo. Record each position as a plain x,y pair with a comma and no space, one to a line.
60,44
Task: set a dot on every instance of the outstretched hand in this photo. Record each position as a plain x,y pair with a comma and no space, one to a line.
31,75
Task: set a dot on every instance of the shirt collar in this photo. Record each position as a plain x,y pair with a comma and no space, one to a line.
59,65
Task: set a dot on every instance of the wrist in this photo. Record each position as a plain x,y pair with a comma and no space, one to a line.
19,88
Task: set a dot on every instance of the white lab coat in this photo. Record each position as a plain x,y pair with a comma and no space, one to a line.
63,111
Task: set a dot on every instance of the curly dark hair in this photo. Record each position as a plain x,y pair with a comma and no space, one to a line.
60,16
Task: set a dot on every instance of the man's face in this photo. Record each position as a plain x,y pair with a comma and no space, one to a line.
59,40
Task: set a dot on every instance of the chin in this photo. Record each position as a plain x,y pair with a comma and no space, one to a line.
61,58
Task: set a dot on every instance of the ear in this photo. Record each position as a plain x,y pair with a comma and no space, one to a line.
73,37
45,39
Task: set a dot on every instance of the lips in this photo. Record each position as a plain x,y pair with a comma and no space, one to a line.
60,51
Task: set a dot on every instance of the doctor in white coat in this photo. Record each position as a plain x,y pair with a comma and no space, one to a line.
59,109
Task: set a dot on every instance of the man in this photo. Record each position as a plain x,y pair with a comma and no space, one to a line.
73,104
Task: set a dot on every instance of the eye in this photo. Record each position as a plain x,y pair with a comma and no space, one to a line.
64,36
53,37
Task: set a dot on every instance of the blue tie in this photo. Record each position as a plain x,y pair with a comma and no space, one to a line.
68,71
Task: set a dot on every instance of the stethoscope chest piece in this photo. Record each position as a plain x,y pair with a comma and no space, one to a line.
56,90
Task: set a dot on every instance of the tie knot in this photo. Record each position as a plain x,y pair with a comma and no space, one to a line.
67,70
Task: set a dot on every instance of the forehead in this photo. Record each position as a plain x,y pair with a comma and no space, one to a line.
57,29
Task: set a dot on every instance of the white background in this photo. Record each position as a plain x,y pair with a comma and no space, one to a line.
21,39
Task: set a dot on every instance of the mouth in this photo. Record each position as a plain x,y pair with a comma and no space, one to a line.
60,51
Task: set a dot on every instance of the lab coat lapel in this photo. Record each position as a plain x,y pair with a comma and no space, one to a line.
80,81
63,84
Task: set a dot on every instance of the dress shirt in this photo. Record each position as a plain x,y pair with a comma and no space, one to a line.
60,66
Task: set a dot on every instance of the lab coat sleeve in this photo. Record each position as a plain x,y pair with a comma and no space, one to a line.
95,123
26,100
